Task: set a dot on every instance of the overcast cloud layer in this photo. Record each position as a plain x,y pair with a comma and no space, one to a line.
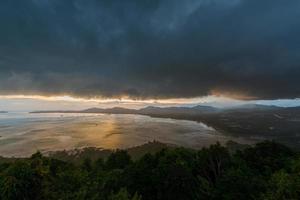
150,48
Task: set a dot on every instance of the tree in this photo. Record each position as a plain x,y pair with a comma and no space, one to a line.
283,186
124,195
20,181
239,183
118,160
267,171
212,162
87,164
266,157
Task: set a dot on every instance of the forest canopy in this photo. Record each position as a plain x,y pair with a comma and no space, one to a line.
268,171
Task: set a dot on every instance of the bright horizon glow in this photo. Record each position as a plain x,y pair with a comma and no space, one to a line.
39,102
120,100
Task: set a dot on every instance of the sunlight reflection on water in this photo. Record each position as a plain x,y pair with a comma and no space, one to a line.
22,134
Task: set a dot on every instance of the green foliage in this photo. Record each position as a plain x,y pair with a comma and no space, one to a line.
87,164
239,183
118,160
20,181
267,171
124,195
283,186
267,157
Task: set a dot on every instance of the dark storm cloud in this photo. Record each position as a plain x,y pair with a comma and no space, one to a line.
150,48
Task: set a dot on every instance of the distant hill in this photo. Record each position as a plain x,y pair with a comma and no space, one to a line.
119,110
3,112
196,110
159,110
257,107
178,110
150,110
206,108
93,110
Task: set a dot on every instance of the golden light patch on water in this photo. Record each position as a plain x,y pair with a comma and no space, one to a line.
101,132
51,132
113,134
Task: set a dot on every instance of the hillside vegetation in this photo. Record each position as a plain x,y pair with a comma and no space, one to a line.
268,171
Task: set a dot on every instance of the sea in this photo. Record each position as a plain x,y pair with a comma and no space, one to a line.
23,133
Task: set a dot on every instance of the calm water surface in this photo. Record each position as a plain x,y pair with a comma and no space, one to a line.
21,134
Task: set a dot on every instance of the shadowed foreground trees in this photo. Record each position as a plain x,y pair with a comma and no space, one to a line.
267,171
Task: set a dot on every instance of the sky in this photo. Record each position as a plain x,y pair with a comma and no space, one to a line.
69,53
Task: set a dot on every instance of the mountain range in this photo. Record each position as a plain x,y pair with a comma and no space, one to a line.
196,110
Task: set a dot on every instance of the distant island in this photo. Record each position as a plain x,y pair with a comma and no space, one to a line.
3,112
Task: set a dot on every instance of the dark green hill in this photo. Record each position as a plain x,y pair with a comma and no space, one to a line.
266,171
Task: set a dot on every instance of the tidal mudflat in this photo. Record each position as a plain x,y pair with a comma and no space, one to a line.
21,134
